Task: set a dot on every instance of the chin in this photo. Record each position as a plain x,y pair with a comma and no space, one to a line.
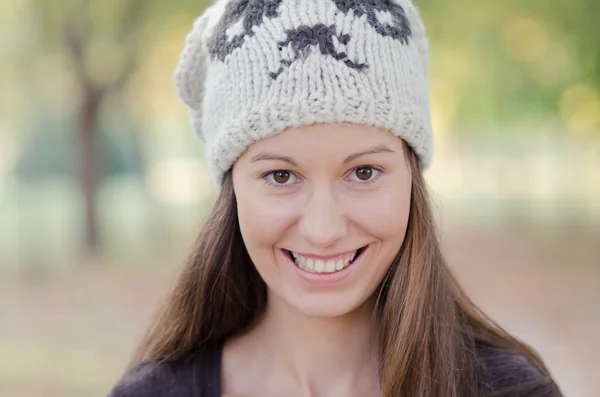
315,307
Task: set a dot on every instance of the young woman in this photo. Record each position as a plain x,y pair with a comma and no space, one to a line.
318,271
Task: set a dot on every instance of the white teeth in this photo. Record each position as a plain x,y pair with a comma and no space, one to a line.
330,266
319,266
301,263
323,266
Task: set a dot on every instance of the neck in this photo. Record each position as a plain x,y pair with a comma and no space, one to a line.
320,356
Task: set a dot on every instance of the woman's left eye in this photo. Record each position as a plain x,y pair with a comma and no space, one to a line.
364,174
281,178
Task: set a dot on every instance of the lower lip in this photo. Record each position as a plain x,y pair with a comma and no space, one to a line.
326,279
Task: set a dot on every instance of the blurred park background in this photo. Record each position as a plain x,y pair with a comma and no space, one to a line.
103,186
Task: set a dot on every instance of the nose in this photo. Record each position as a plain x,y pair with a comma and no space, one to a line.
322,222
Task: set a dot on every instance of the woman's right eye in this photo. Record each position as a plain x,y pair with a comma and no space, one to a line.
281,177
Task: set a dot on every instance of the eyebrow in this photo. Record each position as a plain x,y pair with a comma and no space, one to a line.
374,150
353,156
270,156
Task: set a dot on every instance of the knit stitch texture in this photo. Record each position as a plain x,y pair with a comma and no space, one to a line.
252,68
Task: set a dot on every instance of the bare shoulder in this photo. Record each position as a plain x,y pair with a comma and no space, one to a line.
195,375
507,373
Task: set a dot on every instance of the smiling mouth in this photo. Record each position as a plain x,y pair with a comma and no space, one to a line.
323,266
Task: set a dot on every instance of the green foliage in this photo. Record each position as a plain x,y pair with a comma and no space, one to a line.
517,59
105,39
505,60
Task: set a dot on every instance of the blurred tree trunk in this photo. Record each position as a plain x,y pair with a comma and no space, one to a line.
119,29
89,163
77,36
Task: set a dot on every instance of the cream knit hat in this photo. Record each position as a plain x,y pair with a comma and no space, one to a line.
252,68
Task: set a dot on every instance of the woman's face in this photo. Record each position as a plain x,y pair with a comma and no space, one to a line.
323,210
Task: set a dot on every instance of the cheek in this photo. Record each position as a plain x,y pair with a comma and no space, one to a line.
262,225
384,215
262,221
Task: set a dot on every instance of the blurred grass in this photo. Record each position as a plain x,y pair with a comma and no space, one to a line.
73,331
70,333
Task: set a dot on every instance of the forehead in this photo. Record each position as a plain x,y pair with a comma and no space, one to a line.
327,139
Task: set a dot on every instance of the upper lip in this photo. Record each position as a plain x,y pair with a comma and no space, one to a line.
325,257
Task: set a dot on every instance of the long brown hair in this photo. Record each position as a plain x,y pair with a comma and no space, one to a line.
429,330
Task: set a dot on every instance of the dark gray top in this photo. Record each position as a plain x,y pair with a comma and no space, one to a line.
200,375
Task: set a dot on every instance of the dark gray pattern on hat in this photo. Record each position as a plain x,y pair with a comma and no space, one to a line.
253,12
321,36
400,30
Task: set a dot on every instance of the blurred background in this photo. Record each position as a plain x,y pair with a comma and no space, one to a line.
103,186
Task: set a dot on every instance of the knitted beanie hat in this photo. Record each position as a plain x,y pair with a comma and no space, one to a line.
252,68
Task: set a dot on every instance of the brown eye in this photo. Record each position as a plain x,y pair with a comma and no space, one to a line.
364,173
281,176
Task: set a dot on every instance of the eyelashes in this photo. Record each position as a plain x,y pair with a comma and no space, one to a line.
372,174
273,176
282,178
